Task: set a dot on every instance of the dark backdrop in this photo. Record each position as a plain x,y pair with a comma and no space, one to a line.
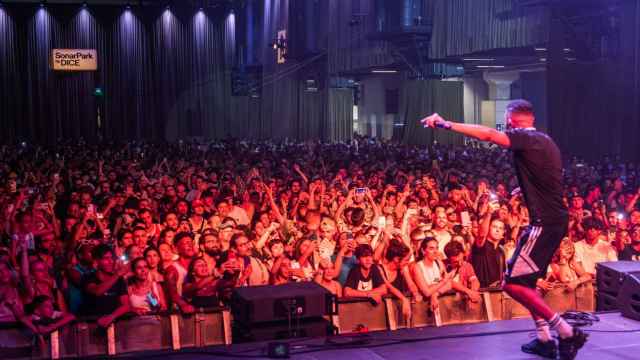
149,61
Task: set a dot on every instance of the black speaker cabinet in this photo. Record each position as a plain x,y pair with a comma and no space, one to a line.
259,304
611,275
606,302
629,297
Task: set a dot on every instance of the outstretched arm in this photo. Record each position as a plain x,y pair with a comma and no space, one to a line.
479,132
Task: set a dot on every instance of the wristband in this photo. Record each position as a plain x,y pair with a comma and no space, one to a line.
444,125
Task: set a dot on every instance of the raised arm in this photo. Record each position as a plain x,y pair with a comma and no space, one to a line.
479,132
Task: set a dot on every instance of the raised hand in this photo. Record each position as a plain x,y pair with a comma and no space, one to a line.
434,121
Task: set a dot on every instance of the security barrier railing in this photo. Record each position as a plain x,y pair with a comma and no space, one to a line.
208,327
84,338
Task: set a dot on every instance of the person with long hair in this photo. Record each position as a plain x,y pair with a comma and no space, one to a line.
201,287
145,294
429,272
154,261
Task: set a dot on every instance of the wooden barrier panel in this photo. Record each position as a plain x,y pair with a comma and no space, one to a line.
586,297
421,315
456,309
354,313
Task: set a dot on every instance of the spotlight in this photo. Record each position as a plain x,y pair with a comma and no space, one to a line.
84,4
42,3
128,7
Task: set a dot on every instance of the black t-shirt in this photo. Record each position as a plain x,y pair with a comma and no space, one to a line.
488,262
629,254
357,281
104,304
538,165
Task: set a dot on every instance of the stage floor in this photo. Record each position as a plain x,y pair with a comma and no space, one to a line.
495,340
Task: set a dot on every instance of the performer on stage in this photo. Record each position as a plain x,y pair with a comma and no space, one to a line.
538,166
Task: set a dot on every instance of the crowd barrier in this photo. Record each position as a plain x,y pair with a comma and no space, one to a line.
166,331
356,315
210,327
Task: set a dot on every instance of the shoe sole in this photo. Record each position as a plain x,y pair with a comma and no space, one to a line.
541,355
578,345
527,351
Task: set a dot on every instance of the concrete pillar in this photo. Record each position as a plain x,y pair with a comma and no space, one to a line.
500,84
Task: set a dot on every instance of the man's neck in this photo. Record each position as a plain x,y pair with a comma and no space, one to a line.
591,241
184,261
493,242
103,275
365,271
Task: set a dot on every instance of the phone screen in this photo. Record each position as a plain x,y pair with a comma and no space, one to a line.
465,218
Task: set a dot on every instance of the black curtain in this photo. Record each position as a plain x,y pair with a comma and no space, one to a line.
420,98
10,84
164,73
594,107
466,26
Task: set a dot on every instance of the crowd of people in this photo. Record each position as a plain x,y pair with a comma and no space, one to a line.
141,228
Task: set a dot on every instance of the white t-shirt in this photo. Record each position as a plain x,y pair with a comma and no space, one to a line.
443,237
239,215
590,255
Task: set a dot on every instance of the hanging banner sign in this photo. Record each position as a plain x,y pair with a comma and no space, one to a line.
74,60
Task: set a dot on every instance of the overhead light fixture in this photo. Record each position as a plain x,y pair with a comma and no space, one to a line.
543,59
84,4
540,49
490,66
43,3
478,59
384,71
566,50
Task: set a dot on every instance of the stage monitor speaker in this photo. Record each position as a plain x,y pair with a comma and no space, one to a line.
629,297
606,302
259,304
610,275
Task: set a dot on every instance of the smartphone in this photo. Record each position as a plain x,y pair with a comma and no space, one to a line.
465,218
382,222
360,191
100,216
90,209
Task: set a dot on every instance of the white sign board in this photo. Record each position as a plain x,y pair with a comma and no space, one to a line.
74,60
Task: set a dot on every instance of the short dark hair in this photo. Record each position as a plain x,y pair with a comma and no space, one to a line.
101,250
592,223
181,235
396,249
233,242
520,106
453,248
364,250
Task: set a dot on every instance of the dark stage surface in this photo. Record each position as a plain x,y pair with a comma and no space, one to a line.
608,340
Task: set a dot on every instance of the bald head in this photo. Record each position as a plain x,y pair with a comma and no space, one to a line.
519,114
